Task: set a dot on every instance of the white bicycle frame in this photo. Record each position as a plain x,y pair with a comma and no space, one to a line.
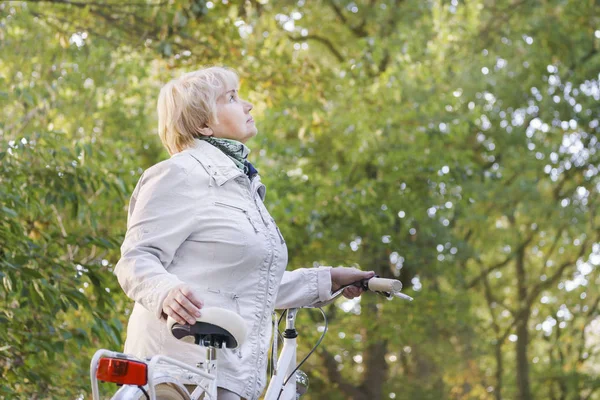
285,364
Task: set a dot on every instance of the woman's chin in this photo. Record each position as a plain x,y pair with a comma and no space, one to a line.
249,135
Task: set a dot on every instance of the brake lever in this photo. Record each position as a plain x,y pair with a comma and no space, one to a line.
402,296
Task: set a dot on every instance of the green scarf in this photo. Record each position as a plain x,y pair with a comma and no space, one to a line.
236,151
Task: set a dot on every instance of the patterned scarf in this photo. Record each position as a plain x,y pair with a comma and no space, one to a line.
236,151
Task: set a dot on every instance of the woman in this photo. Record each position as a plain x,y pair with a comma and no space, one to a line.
198,234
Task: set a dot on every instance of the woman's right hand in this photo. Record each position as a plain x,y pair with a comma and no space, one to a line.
183,305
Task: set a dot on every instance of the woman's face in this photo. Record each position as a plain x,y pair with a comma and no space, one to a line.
234,118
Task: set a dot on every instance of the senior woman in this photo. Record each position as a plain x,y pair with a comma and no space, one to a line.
198,234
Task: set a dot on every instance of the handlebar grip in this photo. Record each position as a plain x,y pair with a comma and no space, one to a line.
384,285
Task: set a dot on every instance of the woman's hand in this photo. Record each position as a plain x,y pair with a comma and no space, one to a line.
341,276
182,305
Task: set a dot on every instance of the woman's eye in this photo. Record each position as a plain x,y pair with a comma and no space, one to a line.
232,98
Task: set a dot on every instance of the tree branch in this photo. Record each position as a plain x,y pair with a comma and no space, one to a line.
322,40
552,248
359,30
537,289
501,263
54,25
491,299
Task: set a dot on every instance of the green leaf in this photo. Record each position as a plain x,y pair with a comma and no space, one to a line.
9,212
7,283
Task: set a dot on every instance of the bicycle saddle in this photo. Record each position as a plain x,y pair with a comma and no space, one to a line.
216,327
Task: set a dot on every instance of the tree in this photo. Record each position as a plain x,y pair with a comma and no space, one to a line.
452,144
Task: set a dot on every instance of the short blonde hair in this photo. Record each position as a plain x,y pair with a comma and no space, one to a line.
188,103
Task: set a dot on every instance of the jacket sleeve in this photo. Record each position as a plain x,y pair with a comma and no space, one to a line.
161,217
304,287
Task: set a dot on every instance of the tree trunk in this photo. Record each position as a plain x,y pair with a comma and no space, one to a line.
376,373
523,388
524,391
376,368
499,371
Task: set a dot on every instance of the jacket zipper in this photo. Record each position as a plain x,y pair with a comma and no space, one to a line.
253,194
218,203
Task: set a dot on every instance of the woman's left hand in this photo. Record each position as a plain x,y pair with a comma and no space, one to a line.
341,276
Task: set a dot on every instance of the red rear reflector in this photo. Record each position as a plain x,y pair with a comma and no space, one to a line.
123,372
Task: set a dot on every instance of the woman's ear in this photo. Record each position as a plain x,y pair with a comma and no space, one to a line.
206,131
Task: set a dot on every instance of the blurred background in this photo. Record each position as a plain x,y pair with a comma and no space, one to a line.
450,143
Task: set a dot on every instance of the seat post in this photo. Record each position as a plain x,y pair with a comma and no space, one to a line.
211,344
210,364
211,353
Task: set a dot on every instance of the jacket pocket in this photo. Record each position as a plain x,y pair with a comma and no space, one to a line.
239,209
229,300
278,231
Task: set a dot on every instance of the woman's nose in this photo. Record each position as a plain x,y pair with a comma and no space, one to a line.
249,106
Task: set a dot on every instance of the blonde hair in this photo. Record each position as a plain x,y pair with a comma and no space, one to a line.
187,104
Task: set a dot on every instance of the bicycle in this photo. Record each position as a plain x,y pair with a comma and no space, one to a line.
164,378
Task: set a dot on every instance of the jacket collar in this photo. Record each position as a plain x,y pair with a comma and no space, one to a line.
220,167
217,164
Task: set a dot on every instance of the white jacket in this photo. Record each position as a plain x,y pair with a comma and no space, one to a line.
197,219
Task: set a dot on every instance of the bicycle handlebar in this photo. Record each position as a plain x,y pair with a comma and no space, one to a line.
384,285
389,287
